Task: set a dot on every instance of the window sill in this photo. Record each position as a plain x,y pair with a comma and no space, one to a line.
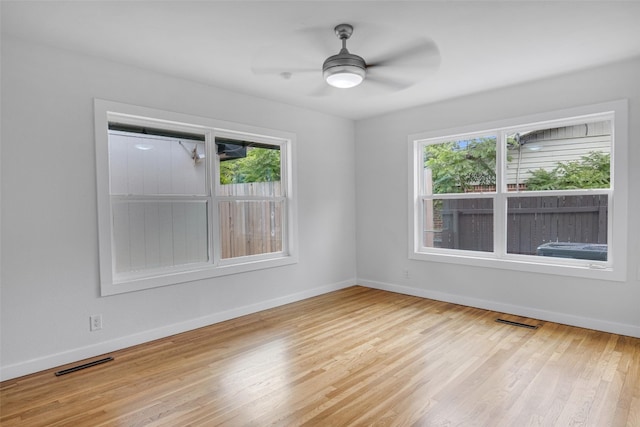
114,286
568,267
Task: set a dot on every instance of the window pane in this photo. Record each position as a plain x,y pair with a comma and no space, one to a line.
558,226
250,227
149,165
460,166
240,164
156,234
559,158
459,224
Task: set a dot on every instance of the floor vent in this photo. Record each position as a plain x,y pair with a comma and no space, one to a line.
84,366
521,325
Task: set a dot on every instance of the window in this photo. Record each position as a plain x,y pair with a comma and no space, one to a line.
537,194
251,200
185,198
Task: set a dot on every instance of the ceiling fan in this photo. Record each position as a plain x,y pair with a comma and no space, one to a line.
396,69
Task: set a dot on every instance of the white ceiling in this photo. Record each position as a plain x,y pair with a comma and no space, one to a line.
482,45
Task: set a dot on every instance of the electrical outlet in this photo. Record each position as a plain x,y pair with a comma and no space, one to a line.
95,322
405,274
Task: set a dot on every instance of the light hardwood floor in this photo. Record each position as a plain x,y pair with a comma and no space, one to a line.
356,357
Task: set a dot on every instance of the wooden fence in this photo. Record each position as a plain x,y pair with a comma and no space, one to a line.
250,227
531,221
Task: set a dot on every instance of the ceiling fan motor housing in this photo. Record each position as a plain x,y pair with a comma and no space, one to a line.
344,58
344,70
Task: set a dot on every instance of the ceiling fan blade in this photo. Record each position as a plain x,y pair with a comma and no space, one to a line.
323,90
296,52
317,42
283,70
388,83
421,53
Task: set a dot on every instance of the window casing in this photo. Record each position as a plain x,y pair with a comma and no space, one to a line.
170,209
505,194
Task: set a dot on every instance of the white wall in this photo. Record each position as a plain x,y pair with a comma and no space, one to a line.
382,217
49,271
49,267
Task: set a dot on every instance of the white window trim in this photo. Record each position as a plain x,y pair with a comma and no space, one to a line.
615,269
105,111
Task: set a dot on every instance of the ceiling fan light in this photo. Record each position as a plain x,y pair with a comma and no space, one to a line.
344,76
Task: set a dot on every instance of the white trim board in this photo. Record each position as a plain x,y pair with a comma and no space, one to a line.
81,353
534,313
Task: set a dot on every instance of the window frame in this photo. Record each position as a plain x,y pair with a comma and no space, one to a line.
112,283
613,269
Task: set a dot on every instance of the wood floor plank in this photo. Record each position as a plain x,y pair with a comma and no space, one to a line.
355,357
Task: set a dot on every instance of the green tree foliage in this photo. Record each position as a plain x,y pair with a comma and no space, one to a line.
260,165
458,165
592,171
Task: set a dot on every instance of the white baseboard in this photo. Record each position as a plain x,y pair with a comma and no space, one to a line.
70,356
534,313
76,354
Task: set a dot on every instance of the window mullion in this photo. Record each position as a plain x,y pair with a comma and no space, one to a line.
212,171
499,202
